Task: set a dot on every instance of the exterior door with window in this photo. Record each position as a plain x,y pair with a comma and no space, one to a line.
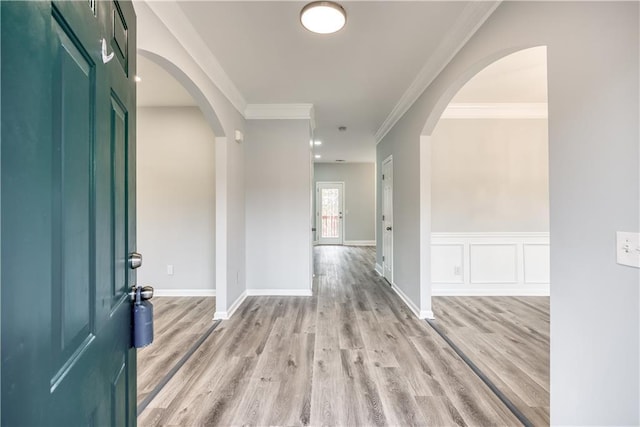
329,212
68,212
387,219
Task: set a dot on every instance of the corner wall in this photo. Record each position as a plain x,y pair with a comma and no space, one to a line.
593,55
278,174
159,43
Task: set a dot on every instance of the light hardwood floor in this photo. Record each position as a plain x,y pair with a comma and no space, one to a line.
352,354
178,323
508,339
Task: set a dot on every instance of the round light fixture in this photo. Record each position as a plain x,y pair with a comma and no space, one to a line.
323,17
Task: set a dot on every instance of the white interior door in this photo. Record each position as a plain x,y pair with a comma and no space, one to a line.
387,219
329,209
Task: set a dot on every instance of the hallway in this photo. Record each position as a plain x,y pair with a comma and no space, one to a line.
352,354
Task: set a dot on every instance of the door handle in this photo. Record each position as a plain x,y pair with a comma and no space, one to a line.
388,228
135,260
145,294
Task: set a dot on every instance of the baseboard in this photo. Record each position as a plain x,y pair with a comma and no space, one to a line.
414,309
359,243
280,292
238,302
378,269
184,292
427,314
510,292
225,315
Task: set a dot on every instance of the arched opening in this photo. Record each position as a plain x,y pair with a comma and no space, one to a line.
176,212
485,222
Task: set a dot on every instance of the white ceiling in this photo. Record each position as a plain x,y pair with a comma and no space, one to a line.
354,78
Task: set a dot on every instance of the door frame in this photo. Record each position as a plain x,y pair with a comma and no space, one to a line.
340,240
387,163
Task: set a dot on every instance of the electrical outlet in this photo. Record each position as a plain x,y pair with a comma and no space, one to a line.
170,269
628,249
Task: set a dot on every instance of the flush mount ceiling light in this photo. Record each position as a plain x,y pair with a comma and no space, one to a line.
323,17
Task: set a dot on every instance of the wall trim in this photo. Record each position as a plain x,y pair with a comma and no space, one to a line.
443,292
184,292
521,265
379,269
359,243
225,315
491,235
280,292
170,14
496,111
280,112
471,18
414,308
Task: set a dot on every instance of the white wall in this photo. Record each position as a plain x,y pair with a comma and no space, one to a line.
176,200
593,53
278,175
490,175
359,197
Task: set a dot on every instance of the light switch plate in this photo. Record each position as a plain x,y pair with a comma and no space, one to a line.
628,248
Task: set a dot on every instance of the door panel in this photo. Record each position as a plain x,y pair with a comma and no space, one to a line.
67,214
119,138
73,287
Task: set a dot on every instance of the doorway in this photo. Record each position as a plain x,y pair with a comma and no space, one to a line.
489,227
176,230
329,212
387,219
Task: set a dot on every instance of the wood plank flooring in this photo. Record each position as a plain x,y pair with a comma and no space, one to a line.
178,323
508,339
350,355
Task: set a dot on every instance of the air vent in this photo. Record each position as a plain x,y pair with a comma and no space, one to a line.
340,161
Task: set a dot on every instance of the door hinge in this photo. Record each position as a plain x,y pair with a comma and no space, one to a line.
382,258
383,177
383,217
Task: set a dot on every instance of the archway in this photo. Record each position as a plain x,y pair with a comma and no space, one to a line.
178,132
485,202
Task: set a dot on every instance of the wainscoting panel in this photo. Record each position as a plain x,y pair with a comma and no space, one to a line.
536,263
490,263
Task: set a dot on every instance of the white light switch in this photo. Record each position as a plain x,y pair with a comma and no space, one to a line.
628,248
170,270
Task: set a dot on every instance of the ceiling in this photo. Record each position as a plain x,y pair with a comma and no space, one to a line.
354,78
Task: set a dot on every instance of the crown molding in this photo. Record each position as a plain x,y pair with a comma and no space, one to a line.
280,112
472,17
171,15
496,111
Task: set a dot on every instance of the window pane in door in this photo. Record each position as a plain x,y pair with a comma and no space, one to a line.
330,212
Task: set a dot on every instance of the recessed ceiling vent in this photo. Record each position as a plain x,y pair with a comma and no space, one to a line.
340,161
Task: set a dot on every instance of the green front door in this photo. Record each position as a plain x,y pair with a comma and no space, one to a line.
67,212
